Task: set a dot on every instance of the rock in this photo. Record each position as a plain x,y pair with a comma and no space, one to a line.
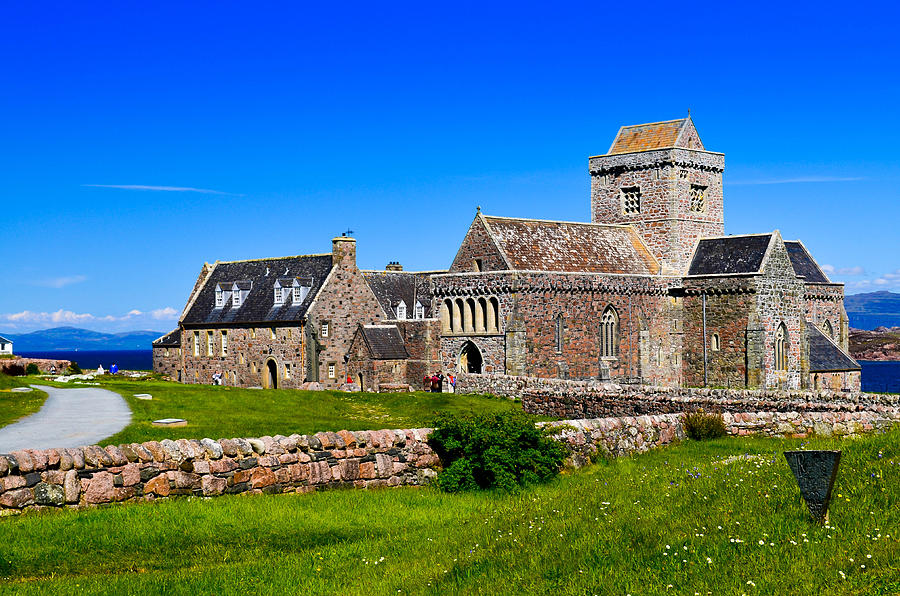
262,477
4,466
11,482
350,388
212,485
131,475
49,494
212,448
159,486
171,450
243,447
229,447
100,488
118,458
257,445
72,487
17,498
23,459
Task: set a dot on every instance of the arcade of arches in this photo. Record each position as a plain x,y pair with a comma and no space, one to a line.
470,315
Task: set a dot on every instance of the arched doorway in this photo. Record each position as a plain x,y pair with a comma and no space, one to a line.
271,375
469,359
359,379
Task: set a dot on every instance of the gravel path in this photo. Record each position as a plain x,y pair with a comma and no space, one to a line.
69,418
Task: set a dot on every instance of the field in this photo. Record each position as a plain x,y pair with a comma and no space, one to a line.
721,517
224,412
16,405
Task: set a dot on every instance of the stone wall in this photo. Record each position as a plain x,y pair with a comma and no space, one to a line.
43,364
90,476
134,472
167,362
589,399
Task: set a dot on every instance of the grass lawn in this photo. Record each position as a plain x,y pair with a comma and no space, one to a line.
218,412
722,517
16,405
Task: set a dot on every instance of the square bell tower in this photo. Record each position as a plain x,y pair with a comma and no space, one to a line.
659,178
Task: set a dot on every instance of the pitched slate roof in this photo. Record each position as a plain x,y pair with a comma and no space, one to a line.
540,245
804,265
824,354
645,137
259,305
172,339
390,287
384,342
4,340
729,255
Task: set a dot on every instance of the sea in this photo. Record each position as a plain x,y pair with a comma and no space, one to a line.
882,377
91,359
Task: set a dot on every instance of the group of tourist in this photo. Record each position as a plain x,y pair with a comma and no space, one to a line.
435,383
113,370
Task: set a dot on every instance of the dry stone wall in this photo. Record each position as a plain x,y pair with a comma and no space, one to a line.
90,476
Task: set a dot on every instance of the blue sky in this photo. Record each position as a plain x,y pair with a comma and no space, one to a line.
269,128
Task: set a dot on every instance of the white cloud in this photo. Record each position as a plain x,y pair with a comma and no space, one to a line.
60,282
828,268
851,270
28,320
205,191
801,180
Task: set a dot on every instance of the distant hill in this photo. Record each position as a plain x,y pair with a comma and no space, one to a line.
73,338
875,309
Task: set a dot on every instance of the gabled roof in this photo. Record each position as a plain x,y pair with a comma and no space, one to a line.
4,340
655,135
384,342
259,306
804,265
541,245
730,255
824,354
172,339
390,287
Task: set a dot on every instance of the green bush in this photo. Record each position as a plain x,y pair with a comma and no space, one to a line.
74,369
502,450
700,425
32,369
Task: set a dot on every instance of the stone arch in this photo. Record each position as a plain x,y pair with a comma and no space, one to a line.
458,310
493,322
609,333
270,374
469,315
481,308
469,359
828,329
446,320
781,348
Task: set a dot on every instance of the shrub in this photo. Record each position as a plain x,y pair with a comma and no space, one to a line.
74,369
501,450
14,370
32,369
700,425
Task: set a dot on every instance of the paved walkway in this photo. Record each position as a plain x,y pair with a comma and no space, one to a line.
69,418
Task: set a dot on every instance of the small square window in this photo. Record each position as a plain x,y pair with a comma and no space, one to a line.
325,328
287,371
631,199
698,198
332,370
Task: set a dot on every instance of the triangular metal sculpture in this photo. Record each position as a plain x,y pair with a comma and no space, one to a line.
815,472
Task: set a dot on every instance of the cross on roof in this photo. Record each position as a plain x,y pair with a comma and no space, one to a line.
347,233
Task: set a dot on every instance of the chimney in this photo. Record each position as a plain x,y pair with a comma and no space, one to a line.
394,266
343,252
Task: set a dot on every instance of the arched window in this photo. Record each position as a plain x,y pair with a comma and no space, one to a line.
494,315
781,348
609,333
559,334
446,317
480,315
716,342
828,329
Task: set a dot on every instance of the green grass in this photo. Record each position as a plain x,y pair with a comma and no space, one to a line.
681,520
218,412
16,405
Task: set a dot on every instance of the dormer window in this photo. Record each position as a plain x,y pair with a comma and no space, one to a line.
420,310
220,298
236,299
401,310
300,289
279,295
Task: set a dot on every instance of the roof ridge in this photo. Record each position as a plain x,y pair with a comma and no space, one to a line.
324,254
735,236
657,122
579,223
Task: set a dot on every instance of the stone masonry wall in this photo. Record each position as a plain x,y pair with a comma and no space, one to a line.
167,362
826,303
477,245
90,476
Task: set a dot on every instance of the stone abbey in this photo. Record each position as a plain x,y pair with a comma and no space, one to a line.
650,291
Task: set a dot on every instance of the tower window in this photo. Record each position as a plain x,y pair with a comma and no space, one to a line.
559,334
631,199
609,334
683,174
698,198
781,348
716,342
478,265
